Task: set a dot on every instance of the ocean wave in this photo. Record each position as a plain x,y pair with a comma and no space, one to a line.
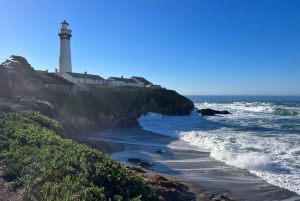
233,139
286,112
249,161
250,109
239,106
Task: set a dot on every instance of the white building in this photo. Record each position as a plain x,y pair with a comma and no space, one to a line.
83,78
142,82
65,34
120,81
153,86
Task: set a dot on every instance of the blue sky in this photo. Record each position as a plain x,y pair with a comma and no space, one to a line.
211,47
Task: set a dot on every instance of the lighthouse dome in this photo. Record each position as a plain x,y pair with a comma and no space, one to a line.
64,25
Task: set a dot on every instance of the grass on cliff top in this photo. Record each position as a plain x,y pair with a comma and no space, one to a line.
27,103
48,167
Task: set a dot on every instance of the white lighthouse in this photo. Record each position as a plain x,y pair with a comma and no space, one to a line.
65,34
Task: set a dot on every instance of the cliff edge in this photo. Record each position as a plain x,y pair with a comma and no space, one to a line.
87,109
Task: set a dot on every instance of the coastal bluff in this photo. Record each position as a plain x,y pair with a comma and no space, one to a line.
33,131
87,109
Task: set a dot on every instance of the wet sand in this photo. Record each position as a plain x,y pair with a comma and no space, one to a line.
187,164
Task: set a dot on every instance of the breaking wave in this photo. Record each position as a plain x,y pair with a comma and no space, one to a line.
258,136
285,112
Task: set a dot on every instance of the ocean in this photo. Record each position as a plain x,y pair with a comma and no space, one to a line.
262,134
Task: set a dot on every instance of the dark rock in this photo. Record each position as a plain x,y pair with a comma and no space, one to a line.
183,111
224,112
208,195
142,163
160,151
211,112
223,198
125,117
172,194
179,110
134,160
145,163
207,112
136,168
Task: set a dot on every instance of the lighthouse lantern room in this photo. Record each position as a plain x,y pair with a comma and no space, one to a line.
65,34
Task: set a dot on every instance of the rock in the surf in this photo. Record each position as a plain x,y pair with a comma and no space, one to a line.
211,112
223,198
160,151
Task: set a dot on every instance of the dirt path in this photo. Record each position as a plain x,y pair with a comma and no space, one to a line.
7,192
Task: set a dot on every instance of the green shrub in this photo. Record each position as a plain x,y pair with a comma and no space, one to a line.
27,103
48,167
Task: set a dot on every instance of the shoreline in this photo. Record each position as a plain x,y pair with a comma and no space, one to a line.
185,163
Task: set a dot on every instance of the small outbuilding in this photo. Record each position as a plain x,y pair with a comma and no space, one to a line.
120,81
153,86
142,82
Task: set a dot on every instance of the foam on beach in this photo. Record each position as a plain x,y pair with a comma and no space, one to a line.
258,137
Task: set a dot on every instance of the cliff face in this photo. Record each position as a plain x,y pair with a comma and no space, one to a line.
84,110
124,116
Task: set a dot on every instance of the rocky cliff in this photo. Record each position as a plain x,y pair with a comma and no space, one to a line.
84,110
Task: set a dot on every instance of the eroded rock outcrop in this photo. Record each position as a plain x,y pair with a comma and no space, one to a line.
126,117
86,109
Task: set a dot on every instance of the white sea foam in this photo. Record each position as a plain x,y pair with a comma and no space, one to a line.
252,138
250,161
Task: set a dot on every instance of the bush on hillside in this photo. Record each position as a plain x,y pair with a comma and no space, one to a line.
38,105
48,167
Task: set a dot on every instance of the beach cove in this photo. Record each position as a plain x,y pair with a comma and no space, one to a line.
186,163
250,154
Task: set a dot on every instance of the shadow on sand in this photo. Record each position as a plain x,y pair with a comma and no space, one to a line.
187,163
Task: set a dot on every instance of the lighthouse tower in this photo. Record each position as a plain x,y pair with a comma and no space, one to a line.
65,35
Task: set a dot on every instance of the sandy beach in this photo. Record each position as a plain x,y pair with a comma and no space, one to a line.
185,163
